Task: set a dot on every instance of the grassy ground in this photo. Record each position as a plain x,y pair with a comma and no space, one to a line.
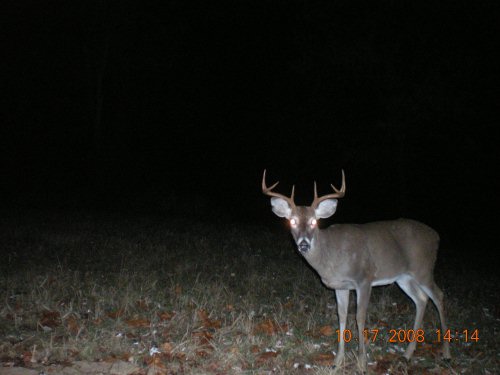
173,296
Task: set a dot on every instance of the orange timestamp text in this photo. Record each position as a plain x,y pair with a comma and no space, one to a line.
411,335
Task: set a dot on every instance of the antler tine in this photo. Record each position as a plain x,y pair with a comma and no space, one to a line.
264,187
268,191
342,188
338,193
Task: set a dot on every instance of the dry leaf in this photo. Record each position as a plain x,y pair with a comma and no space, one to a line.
385,362
234,350
142,304
72,324
203,337
254,349
50,319
167,347
111,359
214,367
138,322
266,356
323,359
127,357
116,314
166,315
178,290
207,322
326,331
27,358
181,357
270,327
202,353
156,366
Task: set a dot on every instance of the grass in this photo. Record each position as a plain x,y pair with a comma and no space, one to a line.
171,296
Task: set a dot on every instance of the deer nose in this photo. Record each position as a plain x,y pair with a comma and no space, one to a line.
304,246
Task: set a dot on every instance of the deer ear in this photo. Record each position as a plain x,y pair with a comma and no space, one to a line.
326,208
281,207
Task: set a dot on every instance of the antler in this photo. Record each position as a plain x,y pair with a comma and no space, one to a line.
267,190
338,193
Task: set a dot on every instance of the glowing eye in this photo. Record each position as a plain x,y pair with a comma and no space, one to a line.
313,222
293,222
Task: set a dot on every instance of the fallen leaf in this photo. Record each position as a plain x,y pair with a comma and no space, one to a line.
156,366
116,314
165,315
202,353
50,319
203,337
265,356
27,358
207,322
323,359
167,347
142,304
138,322
181,357
326,331
213,367
384,362
111,359
127,357
270,327
72,325
255,349
234,350
178,290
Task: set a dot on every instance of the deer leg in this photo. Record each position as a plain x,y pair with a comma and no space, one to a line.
413,290
437,297
342,305
363,297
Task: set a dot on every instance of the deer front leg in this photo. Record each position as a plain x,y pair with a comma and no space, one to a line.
363,297
342,304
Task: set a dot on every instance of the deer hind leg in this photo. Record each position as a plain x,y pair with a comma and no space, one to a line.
436,295
363,297
342,305
413,290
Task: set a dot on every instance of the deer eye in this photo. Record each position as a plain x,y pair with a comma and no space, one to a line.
313,223
293,222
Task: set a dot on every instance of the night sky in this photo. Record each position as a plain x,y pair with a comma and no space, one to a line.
120,105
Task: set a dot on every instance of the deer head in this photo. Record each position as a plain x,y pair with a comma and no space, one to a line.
304,219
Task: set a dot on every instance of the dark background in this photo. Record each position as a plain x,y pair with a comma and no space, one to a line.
176,107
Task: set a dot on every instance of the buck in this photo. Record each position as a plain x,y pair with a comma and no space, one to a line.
360,256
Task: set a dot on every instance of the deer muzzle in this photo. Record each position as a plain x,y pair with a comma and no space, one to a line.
304,245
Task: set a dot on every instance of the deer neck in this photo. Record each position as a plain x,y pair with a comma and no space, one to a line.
315,255
327,258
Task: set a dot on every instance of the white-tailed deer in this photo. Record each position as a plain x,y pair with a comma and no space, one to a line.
359,256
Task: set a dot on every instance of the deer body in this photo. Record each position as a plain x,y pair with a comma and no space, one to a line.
360,256
379,252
